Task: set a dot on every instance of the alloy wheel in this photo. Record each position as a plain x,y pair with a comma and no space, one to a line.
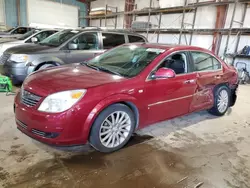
115,129
223,101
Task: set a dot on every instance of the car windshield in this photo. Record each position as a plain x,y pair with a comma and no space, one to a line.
59,38
28,34
126,61
9,30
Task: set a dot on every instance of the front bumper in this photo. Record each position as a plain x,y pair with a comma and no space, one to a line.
16,71
234,90
60,129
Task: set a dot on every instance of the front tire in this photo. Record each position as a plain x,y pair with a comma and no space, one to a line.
112,128
45,66
221,101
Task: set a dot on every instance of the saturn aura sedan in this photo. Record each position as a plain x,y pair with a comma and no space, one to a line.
104,100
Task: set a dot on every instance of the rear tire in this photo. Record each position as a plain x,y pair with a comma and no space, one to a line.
221,101
112,128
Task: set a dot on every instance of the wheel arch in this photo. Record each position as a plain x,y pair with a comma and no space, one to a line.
47,62
43,60
127,100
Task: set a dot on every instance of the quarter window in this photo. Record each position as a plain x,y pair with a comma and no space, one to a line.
111,40
132,39
205,62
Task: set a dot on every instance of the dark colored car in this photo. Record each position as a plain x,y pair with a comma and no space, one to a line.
106,99
67,46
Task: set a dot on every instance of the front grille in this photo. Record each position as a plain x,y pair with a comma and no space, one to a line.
29,99
44,134
21,124
4,58
39,133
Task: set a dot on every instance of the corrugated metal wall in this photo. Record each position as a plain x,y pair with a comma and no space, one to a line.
11,11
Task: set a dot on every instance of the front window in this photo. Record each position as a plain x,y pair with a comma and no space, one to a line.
126,61
28,34
59,38
86,41
20,30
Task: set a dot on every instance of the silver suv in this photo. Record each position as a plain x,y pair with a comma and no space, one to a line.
67,46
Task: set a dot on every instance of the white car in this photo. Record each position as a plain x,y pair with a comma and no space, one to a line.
32,36
15,32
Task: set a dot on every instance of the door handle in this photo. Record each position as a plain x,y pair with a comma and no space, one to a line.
217,76
189,81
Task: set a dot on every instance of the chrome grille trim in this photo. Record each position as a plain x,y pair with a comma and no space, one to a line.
39,133
21,124
29,99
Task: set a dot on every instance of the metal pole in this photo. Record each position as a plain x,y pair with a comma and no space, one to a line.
182,20
134,12
149,14
106,11
230,28
241,25
193,24
159,26
116,10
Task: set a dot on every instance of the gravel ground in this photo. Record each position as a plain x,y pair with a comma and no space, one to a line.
193,150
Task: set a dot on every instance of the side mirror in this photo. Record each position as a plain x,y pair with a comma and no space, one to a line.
164,73
34,40
72,46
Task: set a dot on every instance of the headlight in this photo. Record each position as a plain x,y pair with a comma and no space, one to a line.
19,58
61,101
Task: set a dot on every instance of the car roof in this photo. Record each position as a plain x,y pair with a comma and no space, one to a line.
106,30
167,47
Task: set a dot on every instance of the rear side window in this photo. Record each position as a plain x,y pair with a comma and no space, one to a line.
132,39
205,62
111,40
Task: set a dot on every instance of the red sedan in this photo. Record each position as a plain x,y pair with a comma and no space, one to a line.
104,100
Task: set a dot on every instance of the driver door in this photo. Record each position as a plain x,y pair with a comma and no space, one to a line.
84,46
171,97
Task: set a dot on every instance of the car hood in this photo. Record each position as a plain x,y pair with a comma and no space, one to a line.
4,40
9,44
28,49
63,78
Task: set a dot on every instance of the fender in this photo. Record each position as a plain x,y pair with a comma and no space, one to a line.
40,60
116,98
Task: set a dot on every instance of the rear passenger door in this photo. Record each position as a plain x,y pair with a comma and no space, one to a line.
111,40
209,73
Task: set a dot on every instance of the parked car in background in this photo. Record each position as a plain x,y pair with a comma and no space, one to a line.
16,32
67,46
104,100
33,36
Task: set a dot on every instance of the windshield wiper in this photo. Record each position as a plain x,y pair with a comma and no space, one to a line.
91,66
99,68
109,71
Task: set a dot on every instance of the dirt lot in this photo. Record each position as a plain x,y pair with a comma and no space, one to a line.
197,150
